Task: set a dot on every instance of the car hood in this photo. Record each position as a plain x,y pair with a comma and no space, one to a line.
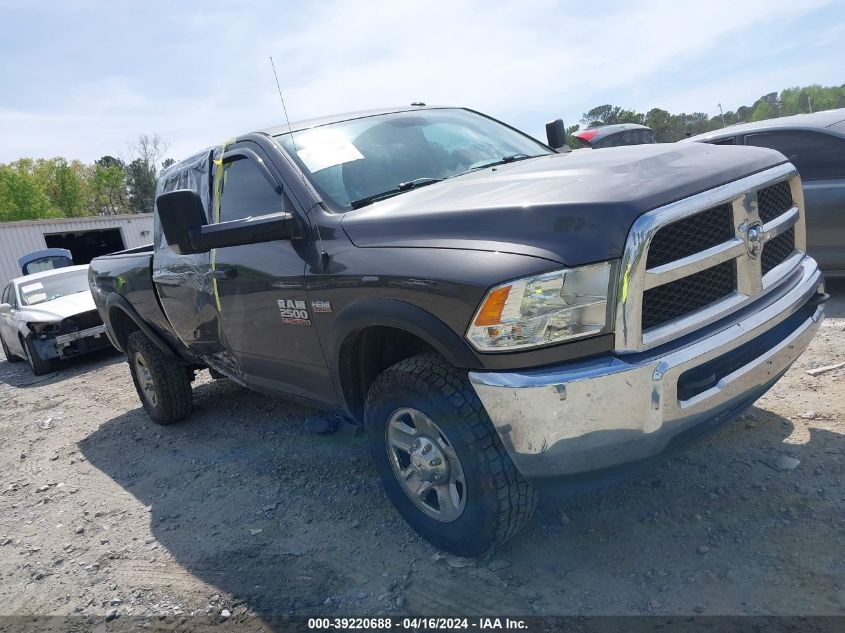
59,309
570,208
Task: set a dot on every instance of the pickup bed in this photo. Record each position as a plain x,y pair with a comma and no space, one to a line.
492,310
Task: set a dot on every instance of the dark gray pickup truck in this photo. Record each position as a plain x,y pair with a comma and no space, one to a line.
492,311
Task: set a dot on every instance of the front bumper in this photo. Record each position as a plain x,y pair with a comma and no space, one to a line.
603,412
73,344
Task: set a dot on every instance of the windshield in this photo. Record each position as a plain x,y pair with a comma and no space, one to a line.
53,287
51,262
352,163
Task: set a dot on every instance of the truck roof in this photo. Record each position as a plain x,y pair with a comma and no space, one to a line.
298,126
598,132
814,121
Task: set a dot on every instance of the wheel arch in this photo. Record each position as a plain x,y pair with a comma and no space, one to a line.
371,335
121,320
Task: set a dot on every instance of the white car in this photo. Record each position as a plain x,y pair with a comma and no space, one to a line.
50,315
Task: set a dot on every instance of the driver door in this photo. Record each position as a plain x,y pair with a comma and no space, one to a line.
257,285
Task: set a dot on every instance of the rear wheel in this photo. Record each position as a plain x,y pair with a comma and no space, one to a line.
164,385
441,461
9,355
38,365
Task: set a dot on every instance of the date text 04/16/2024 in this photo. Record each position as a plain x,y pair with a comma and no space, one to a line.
417,623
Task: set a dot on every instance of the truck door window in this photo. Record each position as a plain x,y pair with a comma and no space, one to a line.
731,140
245,192
816,156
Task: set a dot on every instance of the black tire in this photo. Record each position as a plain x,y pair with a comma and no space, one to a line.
168,397
38,365
498,500
9,355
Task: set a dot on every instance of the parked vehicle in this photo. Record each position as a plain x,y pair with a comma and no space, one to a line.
815,144
490,310
615,135
50,315
46,259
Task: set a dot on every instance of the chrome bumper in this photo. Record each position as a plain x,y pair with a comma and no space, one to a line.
606,411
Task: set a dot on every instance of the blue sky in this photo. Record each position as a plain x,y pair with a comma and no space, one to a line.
82,79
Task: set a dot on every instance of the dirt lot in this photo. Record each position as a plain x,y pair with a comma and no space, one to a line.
239,511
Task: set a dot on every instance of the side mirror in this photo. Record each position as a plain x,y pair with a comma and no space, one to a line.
183,222
556,134
180,213
5,308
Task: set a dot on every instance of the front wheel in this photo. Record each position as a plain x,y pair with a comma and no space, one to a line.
38,365
163,384
441,461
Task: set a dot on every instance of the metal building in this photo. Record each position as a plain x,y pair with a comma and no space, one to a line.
85,237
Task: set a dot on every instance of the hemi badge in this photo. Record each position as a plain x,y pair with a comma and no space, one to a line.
321,306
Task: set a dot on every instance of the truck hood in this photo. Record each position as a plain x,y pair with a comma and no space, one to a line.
570,208
59,309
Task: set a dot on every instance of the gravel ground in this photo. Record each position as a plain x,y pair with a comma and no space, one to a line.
240,512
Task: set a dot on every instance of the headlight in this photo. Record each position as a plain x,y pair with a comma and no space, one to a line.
548,308
44,327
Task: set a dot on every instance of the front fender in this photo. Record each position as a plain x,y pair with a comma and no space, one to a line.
365,313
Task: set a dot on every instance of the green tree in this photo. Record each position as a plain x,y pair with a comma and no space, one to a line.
610,115
764,110
108,187
141,185
142,171
67,190
65,184
21,198
571,141
662,123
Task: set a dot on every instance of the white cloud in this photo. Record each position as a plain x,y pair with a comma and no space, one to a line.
523,62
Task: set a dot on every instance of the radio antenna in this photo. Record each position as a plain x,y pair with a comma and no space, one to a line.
324,256
281,96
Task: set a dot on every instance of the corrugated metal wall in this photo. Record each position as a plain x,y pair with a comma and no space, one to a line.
20,238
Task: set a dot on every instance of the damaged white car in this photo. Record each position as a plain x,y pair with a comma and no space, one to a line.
49,315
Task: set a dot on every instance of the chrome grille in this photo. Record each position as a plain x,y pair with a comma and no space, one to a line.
774,201
691,235
694,261
778,250
688,294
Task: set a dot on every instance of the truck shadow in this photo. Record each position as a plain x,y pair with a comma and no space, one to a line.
19,375
835,308
289,523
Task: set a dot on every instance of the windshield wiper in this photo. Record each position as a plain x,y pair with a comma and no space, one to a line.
511,158
402,187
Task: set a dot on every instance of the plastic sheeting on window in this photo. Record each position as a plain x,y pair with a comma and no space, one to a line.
191,271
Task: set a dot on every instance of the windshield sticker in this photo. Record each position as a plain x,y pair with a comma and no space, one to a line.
32,287
322,149
36,298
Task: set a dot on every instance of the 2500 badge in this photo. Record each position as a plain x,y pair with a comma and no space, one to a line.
294,312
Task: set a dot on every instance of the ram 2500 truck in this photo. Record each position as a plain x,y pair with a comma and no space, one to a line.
491,310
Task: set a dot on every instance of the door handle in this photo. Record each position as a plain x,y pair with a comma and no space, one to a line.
223,273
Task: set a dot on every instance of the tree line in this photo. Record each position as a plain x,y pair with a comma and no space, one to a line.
32,189
669,127
56,187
